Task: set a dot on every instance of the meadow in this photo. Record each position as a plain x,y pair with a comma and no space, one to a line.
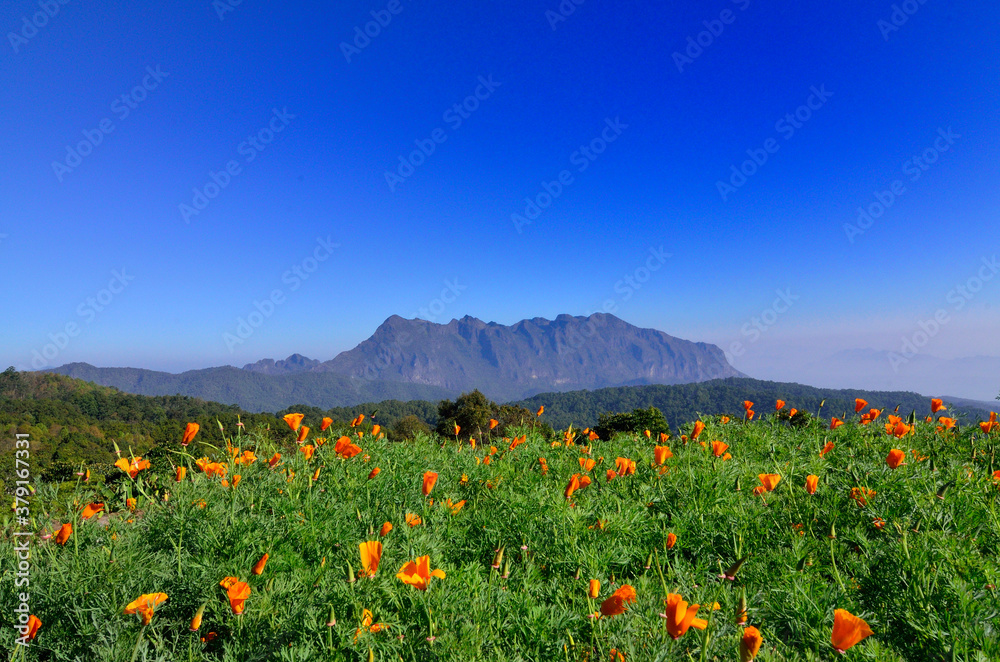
562,547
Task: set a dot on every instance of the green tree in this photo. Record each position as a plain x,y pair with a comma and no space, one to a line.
634,422
407,428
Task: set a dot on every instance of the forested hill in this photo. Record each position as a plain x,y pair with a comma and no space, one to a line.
683,403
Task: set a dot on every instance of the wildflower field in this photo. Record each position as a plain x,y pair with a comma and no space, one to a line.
867,537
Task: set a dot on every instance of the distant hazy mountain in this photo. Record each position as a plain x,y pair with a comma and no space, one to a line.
531,356
255,391
419,360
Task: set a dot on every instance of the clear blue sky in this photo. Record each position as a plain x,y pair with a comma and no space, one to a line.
216,75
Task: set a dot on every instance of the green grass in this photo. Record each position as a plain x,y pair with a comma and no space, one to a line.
924,583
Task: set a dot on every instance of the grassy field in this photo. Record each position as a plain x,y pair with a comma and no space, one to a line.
912,550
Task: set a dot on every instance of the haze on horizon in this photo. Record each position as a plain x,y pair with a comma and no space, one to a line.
813,191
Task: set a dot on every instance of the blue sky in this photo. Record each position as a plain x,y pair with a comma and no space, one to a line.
311,114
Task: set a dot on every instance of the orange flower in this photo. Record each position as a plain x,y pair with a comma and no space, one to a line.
132,468
316,474
430,478
371,554
181,473
624,466
91,509
237,594
899,429
413,520
724,420
750,414
144,606
848,630
592,436
457,429
769,481
835,423
617,656
619,600
747,405
664,437
189,432
648,434
826,448
937,405
294,420
671,540
29,631
611,475
861,495
541,410
594,589
386,528
454,507
258,567
418,573
946,423
760,489
895,458
65,531
812,481
661,454
587,463
859,404
574,485
303,433
358,420
274,460
198,616
307,450
792,412
680,616
878,523
374,472
697,430
780,404
718,448
493,423
130,503
750,644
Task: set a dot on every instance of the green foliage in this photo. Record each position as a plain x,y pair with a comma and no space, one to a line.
473,411
408,428
635,422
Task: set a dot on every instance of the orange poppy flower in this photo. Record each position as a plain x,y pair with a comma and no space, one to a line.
371,554
861,495
493,423
418,573
130,503
697,430
592,436
792,412
574,485
769,481
316,474
327,421
430,478
237,594
274,460
190,430
812,482
826,448
294,420
91,509
386,528
29,631
848,630
946,423
747,405
541,410
624,466
374,472
750,644
198,616
719,448
619,601
760,489
895,458
457,428
144,605
454,507
899,429
413,520
180,474
307,450
258,567
671,540
611,475
594,589
780,404
859,404
617,655
132,468
724,420
937,405
680,616
65,531
878,523
835,423
303,433
358,420
661,454
750,414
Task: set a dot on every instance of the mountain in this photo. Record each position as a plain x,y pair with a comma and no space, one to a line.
419,360
529,357
255,391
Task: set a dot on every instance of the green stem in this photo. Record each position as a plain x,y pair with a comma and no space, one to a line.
135,651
